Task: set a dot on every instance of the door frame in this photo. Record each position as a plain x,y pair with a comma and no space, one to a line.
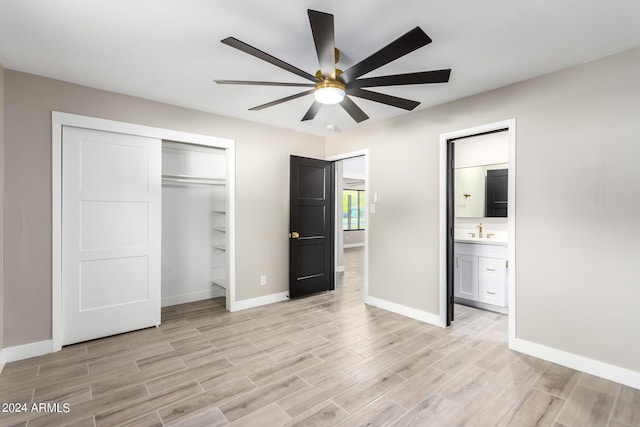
446,236
348,155
58,120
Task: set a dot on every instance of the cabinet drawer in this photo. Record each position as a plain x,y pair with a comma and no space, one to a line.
491,281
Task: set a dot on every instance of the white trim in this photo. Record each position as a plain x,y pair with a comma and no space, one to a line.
231,227
58,120
214,292
510,125
259,301
577,362
423,316
340,269
358,153
27,351
3,361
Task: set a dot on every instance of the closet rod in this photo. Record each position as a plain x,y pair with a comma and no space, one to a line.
187,179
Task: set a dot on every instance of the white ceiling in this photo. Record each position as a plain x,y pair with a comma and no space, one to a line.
170,50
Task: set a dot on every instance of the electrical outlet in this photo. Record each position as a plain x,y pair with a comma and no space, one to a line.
263,280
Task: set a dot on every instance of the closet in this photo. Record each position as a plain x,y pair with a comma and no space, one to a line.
142,218
194,223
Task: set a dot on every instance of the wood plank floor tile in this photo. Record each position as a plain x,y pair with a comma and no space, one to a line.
185,375
284,369
627,407
211,417
259,398
309,397
558,381
536,409
418,387
374,364
366,391
271,415
340,360
184,409
326,414
381,412
133,408
325,359
586,407
211,381
435,410
411,365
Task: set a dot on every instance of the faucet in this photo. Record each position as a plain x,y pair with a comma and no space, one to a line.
480,230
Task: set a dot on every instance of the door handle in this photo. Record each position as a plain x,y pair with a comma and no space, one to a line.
294,235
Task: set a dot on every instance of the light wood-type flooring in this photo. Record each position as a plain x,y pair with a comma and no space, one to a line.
323,360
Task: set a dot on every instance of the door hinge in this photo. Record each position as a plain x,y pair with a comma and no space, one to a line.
506,264
458,262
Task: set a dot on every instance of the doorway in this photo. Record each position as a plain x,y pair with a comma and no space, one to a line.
351,209
300,269
447,223
352,245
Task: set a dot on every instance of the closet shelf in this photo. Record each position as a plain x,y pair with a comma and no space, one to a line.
219,212
190,179
221,229
219,247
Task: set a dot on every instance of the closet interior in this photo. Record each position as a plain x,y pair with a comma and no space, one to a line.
194,223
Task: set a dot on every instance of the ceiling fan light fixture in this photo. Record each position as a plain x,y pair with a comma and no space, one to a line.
329,92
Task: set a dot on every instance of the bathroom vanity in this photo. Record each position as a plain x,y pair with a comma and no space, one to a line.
480,273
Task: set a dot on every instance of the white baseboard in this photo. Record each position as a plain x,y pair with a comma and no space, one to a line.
413,313
257,302
340,269
214,292
26,351
3,361
580,363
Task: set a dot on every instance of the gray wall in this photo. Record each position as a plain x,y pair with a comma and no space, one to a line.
1,206
578,204
262,182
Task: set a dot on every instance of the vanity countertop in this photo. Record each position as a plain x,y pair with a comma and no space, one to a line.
482,241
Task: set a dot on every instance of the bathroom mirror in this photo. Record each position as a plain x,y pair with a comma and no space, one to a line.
481,191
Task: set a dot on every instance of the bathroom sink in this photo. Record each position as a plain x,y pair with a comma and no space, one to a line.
496,239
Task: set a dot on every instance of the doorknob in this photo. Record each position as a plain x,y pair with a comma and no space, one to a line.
294,235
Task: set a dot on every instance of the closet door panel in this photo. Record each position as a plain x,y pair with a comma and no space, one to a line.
111,233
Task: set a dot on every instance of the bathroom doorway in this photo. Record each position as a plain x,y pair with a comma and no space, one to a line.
477,239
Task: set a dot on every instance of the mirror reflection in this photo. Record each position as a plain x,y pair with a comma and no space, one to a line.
481,191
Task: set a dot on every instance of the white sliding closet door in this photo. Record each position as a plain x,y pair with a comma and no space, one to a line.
111,207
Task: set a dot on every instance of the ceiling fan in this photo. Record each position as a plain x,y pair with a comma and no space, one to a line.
331,85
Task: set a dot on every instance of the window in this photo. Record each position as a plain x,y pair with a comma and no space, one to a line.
353,209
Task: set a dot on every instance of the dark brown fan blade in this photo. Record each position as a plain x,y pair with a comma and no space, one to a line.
313,110
436,76
323,37
233,42
403,45
354,111
254,83
281,100
382,98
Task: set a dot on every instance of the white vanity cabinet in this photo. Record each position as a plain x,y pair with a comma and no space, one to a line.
480,275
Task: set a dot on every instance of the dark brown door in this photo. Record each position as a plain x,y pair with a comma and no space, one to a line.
311,227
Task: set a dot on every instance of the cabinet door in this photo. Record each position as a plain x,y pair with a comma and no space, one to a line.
465,279
492,281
